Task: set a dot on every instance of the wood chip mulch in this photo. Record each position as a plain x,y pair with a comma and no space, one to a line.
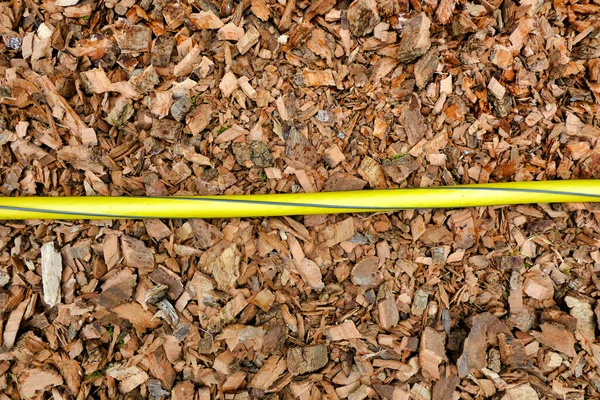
160,98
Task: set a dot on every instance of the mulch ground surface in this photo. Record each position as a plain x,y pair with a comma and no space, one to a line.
197,97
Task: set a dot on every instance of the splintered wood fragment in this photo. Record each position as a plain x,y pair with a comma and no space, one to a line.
337,233
582,311
310,273
345,331
431,353
247,41
521,392
318,78
13,322
363,16
372,171
95,81
260,9
573,124
61,109
501,56
34,382
231,32
388,313
199,118
538,284
228,84
443,14
246,87
51,274
129,377
333,156
519,35
271,370
556,338
415,40
205,20
188,63
183,391
302,360
222,261
134,313
137,38
496,88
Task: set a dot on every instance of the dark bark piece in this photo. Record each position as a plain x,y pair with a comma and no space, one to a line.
254,153
484,332
137,38
445,387
413,122
398,170
426,67
181,108
363,16
206,235
300,149
162,48
512,352
415,38
341,181
302,360
166,129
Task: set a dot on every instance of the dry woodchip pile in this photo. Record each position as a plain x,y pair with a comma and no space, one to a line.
157,98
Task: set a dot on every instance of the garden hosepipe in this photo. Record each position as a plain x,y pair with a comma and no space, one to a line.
271,205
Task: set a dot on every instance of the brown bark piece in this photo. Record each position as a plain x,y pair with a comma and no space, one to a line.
35,381
302,360
310,273
222,261
372,172
363,16
344,331
413,123
415,40
432,353
388,313
206,235
161,368
445,388
205,20
556,338
300,149
399,169
367,272
136,254
512,352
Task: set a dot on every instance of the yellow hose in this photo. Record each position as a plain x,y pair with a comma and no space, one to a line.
300,203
